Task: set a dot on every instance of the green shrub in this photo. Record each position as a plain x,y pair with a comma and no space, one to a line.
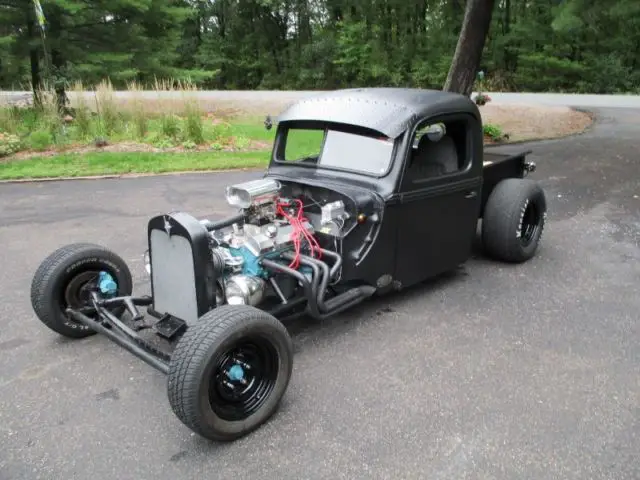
222,131
493,131
241,142
163,142
27,120
9,144
40,140
193,125
169,125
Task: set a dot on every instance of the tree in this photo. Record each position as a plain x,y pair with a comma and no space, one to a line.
533,45
19,43
466,59
125,40
89,41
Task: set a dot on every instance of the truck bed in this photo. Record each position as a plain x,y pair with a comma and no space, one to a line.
498,166
492,158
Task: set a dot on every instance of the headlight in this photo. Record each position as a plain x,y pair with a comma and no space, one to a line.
244,290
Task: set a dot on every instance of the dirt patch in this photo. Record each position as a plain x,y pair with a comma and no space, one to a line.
532,122
520,122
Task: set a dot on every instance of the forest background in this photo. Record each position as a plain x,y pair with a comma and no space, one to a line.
581,46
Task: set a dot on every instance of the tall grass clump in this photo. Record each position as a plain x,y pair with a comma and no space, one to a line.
9,117
49,123
169,124
107,108
139,112
7,123
82,114
192,115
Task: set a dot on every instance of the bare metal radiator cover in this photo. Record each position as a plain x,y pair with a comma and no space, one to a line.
182,271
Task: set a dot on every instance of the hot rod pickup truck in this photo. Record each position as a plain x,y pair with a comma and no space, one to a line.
368,191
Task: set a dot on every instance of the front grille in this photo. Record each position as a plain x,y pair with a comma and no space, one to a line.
173,275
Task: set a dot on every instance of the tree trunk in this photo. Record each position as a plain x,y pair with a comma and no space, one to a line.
34,58
35,70
475,26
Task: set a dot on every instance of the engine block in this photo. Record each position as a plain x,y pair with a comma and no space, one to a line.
247,244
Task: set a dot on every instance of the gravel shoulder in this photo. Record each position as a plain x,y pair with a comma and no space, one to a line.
536,122
520,121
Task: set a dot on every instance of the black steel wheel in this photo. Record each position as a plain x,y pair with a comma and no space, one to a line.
514,219
67,277
244,377
530,223
229,371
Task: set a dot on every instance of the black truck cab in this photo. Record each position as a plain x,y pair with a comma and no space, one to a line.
413,165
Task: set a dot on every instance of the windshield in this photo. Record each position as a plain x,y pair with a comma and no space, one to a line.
337,149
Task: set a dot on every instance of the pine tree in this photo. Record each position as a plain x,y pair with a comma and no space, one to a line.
123,40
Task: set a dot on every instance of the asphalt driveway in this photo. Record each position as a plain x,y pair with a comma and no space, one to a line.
494,372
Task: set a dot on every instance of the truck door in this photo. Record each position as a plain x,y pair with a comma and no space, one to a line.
439,199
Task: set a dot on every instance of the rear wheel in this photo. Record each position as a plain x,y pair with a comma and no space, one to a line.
67,277
229,371
514,219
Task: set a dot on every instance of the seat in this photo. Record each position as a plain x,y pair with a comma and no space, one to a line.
432,159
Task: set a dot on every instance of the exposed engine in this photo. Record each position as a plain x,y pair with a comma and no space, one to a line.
282,252
270,227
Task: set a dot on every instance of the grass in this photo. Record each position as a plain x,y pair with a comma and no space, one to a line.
108,163
303,143
100,117
113,163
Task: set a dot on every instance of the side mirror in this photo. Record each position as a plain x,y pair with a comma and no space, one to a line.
436,132
268,124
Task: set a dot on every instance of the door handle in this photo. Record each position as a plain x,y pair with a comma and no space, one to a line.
471,194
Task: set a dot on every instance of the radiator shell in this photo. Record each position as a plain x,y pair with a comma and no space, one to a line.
182,270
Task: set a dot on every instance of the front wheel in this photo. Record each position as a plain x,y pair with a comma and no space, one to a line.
229,371
67,277
513,221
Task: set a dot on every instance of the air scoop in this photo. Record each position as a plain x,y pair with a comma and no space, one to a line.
253,193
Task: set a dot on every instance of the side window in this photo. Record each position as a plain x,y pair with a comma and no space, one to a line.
303,144
437,149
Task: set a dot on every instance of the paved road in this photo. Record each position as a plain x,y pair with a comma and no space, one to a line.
278,98
495,372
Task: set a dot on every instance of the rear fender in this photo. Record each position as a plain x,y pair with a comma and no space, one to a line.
506,166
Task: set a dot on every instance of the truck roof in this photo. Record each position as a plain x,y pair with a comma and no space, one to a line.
389,111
